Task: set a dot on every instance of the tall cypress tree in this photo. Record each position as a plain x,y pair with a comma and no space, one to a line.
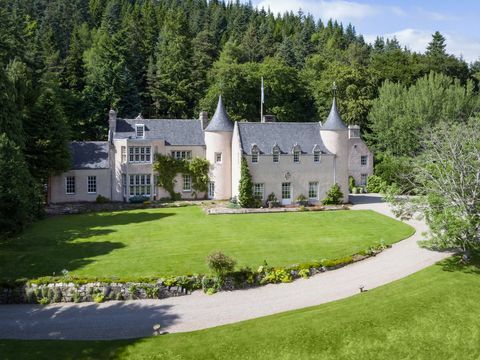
245,197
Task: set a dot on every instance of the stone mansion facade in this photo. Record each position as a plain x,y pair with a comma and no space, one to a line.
287,159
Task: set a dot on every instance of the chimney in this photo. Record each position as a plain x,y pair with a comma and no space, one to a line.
112,124
203,119
269,118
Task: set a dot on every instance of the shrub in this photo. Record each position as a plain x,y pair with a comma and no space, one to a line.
99,298
351,183
275,276
272,200
375,184
220,263
305,273
102,200
334,196
301,200
245,197
138,199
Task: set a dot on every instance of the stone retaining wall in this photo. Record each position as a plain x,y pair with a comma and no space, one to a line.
70,292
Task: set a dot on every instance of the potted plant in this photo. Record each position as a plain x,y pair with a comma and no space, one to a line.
301,200
272,201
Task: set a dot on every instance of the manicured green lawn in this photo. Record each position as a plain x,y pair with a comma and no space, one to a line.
175,241
433,314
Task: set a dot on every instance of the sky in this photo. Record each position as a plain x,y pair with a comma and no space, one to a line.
411,22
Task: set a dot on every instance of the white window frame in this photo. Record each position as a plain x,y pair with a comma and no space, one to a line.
140,131
316,156
140,185
254,156
296,156
69,185
218,158
276,156
211,189
313,189
363,179
259,191
187,183
362,162
140,154
91,184
123,152
286,185
181,154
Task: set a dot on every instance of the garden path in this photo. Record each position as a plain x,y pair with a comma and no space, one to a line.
129,319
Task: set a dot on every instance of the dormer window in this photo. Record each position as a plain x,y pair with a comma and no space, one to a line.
296,156
255,153
140,131
276,155
316,156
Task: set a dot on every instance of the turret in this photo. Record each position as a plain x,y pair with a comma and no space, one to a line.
218,141
334,134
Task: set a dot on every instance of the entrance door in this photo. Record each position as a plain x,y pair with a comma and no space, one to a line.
286,193
211,190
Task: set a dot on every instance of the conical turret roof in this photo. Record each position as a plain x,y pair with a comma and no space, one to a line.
220,120
334,121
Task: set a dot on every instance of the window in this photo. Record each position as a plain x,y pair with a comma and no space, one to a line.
92,184
258,191
286,191
364,160
182,154
313,190
254,156
211,189
139,154
276,155
296,156
140,185
70,185
124,184
187,183
124,154
218,157
363,179
140,130
316,156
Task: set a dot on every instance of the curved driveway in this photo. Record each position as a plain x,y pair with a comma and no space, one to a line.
129,319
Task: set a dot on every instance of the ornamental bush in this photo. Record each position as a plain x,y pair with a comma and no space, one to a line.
245,197
220,263
334,196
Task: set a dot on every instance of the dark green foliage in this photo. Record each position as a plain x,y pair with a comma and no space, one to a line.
168,168
334,196
19,200
245,197
220,264
375,184
47,134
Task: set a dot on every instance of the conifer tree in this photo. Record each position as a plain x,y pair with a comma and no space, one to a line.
245,197
19,200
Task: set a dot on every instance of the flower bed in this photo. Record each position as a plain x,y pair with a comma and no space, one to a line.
71,289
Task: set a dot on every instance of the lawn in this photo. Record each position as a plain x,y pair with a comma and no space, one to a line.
433,314
175,241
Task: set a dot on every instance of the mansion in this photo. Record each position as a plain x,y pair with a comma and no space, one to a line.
285,158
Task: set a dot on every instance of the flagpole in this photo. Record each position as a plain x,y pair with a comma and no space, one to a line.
262,99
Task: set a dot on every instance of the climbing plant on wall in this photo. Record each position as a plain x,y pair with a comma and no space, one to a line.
168,168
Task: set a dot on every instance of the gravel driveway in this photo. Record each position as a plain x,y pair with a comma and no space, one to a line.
129,319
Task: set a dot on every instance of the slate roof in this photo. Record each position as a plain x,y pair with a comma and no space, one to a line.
173,131
334,121
283,134
220,120
89,155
